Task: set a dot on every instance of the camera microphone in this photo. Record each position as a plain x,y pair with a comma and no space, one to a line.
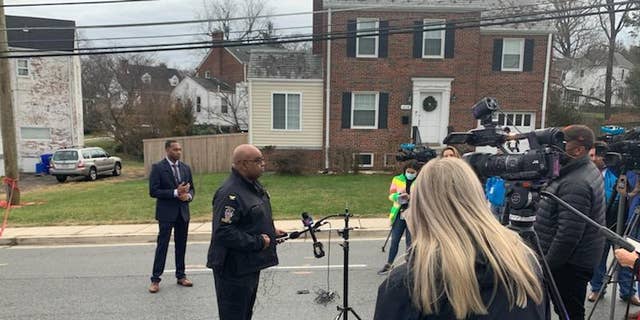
307,221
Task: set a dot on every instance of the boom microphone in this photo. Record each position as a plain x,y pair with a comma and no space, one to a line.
307,221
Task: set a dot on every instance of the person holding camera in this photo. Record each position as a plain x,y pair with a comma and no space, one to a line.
571,247
399,194
462,263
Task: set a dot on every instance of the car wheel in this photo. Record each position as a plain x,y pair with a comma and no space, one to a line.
117,170
61,179
93,174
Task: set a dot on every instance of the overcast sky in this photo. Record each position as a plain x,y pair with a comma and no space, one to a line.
154,11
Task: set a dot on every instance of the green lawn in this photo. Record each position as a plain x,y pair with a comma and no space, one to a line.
109,201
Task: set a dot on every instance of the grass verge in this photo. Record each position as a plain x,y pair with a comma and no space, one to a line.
115,201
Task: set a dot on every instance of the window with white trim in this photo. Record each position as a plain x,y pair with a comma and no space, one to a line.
224,105
207,75
515,119
367,46
31,133
23,67
146,78
433,40
198,104
364,110
364,160
285,111
512,54
390,160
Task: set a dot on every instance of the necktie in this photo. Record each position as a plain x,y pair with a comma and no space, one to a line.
176,174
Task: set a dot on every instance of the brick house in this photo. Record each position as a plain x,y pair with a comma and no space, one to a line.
46,91
380,86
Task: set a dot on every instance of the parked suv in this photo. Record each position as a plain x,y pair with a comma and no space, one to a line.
88,162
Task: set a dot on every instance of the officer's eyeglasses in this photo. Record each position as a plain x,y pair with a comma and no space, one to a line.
256,160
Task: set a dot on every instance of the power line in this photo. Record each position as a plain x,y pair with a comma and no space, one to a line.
426,27
256,30
305,38
195,21
69,3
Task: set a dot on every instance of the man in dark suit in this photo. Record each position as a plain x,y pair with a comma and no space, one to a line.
170,182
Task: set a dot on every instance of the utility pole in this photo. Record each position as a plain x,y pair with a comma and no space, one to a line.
7,124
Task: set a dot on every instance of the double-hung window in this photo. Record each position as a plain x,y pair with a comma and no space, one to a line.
23,67
286,110
367,39
433,39
512,54
364,110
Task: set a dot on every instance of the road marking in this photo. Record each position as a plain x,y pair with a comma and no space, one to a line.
135,244
333,266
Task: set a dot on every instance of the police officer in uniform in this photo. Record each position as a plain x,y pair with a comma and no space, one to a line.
244,236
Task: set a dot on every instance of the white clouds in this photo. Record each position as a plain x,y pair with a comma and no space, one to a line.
161,10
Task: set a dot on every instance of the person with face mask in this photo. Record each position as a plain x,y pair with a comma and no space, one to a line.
399,194
571,247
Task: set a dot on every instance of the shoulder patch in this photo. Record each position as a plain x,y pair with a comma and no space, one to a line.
228,214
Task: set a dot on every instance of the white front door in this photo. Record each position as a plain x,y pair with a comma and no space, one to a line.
430,108
428,117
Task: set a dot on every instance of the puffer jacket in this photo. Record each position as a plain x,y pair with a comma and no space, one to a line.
564,237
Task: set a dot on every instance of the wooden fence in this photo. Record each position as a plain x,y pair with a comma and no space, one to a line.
203,154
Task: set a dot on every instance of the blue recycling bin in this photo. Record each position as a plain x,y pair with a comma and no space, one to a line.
45,160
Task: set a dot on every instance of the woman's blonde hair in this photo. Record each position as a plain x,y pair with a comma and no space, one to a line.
455,151
451,227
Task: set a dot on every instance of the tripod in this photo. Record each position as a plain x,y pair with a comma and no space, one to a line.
345,308
521,218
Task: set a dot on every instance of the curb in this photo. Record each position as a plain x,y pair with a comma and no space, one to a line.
151,238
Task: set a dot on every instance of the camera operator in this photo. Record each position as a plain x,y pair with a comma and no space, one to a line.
463,264
571,247
399,194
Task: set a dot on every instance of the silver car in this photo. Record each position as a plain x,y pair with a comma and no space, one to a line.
88,162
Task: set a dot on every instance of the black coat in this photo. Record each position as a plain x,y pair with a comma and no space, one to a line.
241,214
564,237
394,300
162,185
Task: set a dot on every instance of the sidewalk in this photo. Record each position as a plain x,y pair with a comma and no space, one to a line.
140,233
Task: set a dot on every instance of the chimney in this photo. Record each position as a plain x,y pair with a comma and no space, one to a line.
217,36
319,21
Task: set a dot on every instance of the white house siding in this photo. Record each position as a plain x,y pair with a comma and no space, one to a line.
260,128
594,78
49,98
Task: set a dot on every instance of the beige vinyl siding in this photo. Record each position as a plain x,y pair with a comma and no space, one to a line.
311,114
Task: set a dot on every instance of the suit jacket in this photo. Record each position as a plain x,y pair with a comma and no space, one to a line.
162,185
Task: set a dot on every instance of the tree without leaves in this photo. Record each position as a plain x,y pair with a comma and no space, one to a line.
252,27
573,34
612,24
237,109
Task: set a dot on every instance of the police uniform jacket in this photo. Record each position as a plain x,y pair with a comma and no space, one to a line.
241,214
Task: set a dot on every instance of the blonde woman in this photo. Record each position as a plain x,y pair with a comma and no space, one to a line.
463,264
449,152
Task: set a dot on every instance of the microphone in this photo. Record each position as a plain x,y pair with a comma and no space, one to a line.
307,221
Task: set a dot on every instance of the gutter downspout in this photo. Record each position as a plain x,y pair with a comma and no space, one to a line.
328,94
545,92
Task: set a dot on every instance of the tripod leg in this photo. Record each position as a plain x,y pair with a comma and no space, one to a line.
611,274
355,314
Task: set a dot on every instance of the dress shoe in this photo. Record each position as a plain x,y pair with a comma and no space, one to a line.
593,296
385,269
185,282
154,287
634,300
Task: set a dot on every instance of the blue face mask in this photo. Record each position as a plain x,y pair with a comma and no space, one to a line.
410,176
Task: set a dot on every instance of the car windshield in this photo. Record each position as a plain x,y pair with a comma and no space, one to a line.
65,155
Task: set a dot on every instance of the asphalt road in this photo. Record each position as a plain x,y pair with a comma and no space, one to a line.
110,282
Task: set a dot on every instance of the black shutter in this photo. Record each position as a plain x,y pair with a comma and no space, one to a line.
497,55
449,40
527,64
384,39
383,110
417,39
346,110
351,38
